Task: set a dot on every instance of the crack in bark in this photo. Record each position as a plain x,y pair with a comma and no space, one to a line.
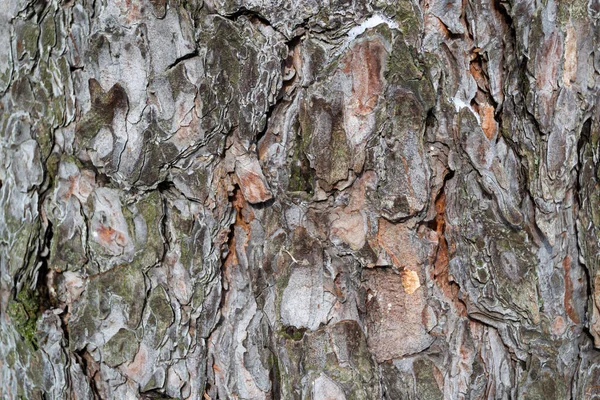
441,273
250,14
183,58
90,369
584,138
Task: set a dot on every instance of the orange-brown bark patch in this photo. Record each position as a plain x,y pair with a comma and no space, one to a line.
441,273
107,234
488,123
364,64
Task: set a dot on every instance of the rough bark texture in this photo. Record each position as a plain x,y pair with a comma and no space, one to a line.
300,199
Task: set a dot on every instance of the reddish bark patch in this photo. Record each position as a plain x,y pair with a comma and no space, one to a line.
441,264
136,369
365,65
477,71
251,180
243,217
72,181
570,65
107,235
349,227
253,186
488,123
396,240
238,203
483,101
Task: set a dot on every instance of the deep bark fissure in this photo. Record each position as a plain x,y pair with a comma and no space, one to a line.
243,11
584,139
183,58
88,365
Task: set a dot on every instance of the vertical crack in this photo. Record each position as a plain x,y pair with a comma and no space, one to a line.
584,139
441,270
90,369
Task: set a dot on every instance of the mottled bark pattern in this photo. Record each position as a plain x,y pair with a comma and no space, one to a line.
257,199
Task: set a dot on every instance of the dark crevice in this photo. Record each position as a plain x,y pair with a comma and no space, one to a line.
73,68
184,57
293,333
253,16
441,263
231,234
165,186
431,121
102,179
584,138
42,288
90,369
268,114
500,7
437,223
154,395
286,84
164,228
168,186
450,34
589,294
275,376
31,294
227,251
288,64
536,231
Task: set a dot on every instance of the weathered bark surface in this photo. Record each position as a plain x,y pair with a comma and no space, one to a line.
300,199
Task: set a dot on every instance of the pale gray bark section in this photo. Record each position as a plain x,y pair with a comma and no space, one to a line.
299,199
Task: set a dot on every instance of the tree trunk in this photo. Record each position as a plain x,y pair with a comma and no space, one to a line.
286,199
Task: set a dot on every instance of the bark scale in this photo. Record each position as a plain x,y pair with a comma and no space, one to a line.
298,199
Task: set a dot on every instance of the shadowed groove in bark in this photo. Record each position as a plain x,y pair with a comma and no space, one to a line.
83,358
584,139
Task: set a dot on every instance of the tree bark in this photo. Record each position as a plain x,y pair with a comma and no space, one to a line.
286,199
